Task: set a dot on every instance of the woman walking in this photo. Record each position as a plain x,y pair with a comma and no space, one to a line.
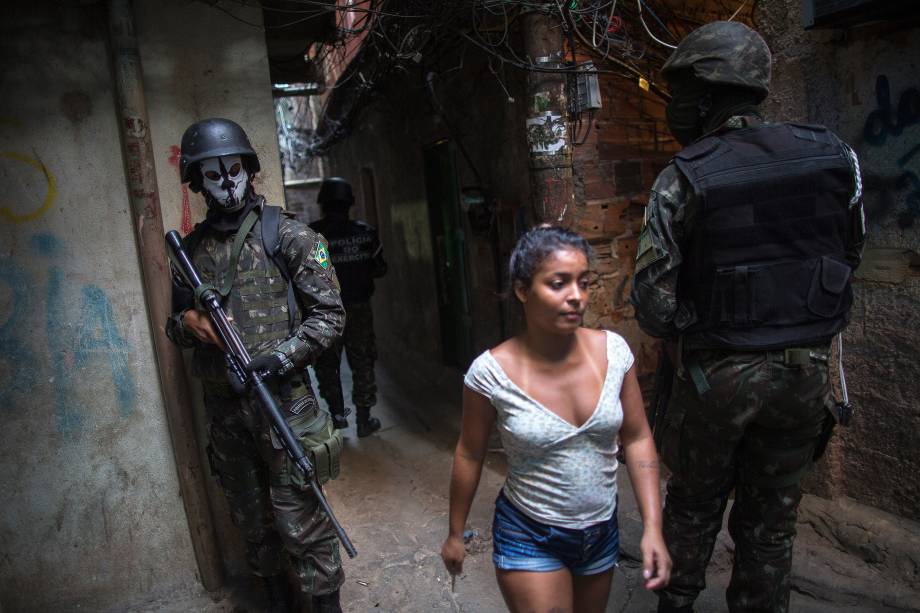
561,395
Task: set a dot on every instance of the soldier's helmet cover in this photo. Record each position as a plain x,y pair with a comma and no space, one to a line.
723,53
335,191
212,138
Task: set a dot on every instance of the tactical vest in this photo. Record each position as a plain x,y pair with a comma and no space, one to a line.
766,266
352,247
257,301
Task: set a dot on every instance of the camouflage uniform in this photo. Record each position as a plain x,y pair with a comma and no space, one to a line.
360,347
269,502
756,430
357,254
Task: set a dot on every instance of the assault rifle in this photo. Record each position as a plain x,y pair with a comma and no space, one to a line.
238,361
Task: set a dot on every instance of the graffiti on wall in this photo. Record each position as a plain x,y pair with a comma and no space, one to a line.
35,171
885,127
80,334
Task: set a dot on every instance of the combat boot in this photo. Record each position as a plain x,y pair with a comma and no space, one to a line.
367,425
326,603
340,418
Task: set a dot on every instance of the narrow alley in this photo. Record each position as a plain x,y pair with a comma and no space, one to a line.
206,202
392,500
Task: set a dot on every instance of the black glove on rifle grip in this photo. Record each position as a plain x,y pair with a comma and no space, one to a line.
268,364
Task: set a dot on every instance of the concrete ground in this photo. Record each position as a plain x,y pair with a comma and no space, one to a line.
392,498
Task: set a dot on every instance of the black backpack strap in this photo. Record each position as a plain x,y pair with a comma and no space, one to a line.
271,242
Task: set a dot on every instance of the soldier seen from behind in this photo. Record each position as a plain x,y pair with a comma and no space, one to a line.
752,234
356,251
282,294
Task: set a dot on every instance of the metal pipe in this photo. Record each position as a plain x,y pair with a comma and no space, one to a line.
147,222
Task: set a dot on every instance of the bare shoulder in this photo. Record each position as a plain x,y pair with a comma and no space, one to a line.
594,340
507,351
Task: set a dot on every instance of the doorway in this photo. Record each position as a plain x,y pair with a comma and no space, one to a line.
450,252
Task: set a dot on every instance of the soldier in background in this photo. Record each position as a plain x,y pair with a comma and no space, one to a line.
284,301
744,264
357,254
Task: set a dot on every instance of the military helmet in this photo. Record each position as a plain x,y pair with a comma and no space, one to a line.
214,137
335,190
724,53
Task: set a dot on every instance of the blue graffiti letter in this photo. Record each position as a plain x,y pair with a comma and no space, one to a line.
99,334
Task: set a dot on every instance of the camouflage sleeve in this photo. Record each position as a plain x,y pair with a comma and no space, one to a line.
654,290
306,254
183,299
856,239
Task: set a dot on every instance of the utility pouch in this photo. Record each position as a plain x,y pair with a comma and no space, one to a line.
313,428
324,450
828,292
322,443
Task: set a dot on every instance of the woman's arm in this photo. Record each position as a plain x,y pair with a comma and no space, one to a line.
478,417
642,462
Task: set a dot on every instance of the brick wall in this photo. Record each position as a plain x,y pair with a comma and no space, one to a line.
626,145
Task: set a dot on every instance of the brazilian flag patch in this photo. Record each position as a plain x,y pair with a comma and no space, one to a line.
321,255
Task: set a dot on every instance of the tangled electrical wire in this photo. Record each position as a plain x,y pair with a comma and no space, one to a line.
627,38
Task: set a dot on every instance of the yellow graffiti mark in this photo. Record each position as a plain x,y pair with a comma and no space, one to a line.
7,212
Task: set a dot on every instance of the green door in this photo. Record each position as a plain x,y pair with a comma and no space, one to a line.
449,248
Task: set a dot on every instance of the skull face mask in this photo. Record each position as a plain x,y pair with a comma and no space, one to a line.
225,182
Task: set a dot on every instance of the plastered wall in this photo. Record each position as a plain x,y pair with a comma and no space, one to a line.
863,83
198,63
91,512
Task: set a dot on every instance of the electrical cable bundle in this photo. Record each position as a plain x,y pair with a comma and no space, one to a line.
627,38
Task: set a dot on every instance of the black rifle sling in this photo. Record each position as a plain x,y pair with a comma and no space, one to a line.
271,242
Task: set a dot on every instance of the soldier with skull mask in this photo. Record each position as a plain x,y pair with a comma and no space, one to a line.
284,300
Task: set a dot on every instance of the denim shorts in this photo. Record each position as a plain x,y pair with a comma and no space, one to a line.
522,543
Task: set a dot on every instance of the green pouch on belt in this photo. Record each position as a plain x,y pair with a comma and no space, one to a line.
322,444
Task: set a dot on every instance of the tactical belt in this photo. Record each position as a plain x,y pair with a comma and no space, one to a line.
793,356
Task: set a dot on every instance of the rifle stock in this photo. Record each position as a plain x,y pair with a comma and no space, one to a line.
238,360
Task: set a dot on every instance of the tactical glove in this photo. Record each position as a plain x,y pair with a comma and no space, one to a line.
269,364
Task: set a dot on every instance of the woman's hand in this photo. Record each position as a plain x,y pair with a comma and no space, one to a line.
199,324
656,562
478,418
642,461
453,552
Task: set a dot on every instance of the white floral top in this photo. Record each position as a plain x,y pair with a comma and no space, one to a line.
558,474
